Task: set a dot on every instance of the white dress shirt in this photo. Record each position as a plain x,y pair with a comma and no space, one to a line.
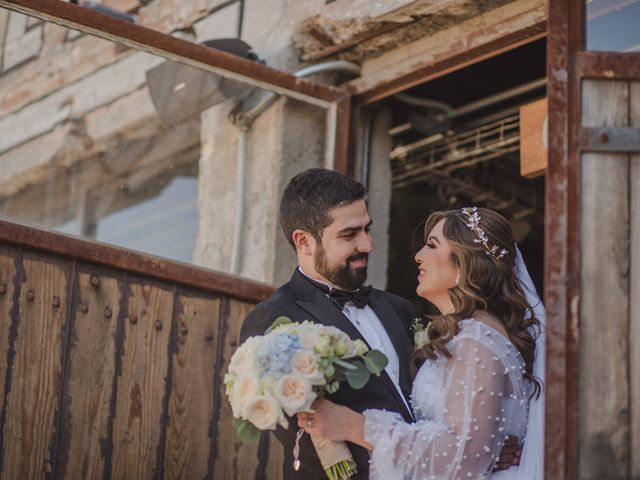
370,327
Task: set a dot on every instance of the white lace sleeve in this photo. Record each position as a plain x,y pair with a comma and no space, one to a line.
466,440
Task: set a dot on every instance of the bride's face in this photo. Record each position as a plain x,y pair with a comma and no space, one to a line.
436,271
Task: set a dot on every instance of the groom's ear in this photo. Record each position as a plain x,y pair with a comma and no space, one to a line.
303,241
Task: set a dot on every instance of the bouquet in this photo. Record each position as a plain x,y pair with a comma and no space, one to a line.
282,372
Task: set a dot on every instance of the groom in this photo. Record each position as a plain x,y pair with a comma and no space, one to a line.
324,217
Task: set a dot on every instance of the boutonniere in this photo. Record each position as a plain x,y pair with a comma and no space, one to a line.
420,333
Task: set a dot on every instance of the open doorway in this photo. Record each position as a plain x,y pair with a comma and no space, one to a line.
456,142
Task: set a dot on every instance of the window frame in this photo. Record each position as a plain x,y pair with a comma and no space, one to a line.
336,101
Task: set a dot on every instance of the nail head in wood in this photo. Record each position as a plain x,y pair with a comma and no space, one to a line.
158,325
84,308
184,330
208,335
95,280
30,295
56,302
107,312
3,289
133,318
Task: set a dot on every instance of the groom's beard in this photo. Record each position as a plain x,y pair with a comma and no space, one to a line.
343,276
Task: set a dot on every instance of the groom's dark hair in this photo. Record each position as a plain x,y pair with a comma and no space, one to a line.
309,196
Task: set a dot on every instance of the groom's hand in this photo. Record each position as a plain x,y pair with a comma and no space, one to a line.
509,455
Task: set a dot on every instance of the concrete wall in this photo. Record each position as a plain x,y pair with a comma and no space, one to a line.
79,127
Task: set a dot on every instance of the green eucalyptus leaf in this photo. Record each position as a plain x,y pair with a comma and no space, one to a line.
375,361
278,322
346,365
247,432
359,377
339,375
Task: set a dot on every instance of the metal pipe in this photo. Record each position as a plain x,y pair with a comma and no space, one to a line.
240,182
331,120
423,102
499,97
478,105
249,117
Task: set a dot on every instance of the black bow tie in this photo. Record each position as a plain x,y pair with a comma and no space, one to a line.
360,297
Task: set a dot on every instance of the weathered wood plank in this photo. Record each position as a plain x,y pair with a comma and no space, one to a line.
604,327
421,55
634,284
275,454
7,288
90,371
33,399
141,385
191,403
232,458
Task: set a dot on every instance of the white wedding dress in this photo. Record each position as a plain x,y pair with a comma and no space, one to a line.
465,406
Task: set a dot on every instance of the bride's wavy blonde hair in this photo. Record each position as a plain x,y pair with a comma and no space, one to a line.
486,283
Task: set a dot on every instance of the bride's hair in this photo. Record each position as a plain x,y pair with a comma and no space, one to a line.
486,283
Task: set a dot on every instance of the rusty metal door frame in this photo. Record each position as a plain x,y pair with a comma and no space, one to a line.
562,264
566,63
335,101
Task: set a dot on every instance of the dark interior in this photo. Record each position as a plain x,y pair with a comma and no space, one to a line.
490,178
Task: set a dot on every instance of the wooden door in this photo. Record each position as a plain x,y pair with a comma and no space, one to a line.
593,259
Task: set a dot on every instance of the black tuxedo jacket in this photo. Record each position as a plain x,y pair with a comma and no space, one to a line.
300,299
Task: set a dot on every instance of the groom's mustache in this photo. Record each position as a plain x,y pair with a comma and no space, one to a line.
358,256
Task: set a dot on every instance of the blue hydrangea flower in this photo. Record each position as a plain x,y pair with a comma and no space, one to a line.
274,356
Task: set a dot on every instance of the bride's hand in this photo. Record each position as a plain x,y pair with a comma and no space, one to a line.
334,422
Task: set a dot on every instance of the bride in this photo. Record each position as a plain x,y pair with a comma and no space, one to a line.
476,383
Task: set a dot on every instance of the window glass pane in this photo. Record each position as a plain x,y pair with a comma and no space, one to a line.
613,25
128,148
165,225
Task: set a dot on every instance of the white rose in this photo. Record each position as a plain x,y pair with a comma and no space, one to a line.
244,389
294,394
243,359
309,338
267,385
303,362
264,412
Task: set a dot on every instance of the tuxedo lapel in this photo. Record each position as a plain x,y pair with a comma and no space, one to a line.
398,335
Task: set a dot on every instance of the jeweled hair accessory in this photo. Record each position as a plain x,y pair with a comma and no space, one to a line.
473,222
